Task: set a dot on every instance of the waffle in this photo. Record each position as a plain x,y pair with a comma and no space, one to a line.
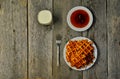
79,53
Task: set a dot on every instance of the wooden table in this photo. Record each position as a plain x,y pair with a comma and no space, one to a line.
28,49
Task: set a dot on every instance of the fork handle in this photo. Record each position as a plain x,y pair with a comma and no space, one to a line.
58,55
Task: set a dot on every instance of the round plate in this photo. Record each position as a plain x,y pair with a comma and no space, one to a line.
79,8
86,67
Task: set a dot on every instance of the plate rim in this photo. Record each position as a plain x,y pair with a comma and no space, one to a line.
86,67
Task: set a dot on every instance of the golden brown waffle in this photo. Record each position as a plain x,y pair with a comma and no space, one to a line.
79,53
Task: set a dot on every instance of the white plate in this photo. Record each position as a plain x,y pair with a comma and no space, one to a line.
79,8
86,67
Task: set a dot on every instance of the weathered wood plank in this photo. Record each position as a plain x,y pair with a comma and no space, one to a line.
13,39
113,23
61,9
98,33
40,42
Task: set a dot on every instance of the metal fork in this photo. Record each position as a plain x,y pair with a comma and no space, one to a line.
58,42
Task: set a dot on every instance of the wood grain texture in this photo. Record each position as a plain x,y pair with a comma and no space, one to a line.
61,27
13,39
98,33
113,21
40,41
28,49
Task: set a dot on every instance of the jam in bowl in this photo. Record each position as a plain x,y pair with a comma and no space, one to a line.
79,18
